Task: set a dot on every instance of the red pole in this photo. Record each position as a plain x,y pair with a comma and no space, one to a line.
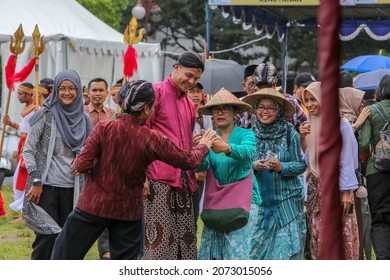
330,247
147,8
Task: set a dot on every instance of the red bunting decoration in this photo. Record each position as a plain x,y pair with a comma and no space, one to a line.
130,64
24,73
10,71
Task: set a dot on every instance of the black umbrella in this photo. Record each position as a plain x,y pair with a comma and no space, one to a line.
220,73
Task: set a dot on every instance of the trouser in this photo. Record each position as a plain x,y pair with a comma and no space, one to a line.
82,229
58,203
379,202
103,243
196,198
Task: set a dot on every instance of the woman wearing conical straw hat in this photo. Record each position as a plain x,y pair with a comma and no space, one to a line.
230,160
280,230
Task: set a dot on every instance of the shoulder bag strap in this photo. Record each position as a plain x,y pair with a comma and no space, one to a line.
379,109
382,114
372,138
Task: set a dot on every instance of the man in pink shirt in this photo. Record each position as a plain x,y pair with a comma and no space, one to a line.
169,214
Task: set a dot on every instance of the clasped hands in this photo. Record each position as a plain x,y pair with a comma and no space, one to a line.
270,164
212,140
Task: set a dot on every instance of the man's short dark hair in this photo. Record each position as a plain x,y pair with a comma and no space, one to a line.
346,79
249,70
97,80
304,79
27,84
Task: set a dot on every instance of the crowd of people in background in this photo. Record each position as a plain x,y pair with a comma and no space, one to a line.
140,179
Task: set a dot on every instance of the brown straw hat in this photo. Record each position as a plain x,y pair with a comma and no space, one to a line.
287,107
224,97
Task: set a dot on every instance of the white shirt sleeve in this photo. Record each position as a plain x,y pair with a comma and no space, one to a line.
348,158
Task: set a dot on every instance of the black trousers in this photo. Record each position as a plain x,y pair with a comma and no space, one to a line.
196,199
378,187
81,230
103,243
58,203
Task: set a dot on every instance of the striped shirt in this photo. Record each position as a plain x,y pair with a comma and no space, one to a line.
282,193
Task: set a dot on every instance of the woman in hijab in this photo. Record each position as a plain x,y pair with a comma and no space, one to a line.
58,132
347,181
351,108
280,230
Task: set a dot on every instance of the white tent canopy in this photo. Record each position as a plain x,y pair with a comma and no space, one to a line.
74,39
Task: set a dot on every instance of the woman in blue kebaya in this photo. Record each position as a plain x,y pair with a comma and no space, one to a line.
280,230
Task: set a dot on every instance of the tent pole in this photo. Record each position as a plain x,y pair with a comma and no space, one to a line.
284,65
208,21
66,53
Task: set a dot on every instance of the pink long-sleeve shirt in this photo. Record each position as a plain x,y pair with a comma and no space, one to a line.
175,118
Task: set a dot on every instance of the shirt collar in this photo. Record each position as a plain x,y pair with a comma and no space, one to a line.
175,89
130,118
90,108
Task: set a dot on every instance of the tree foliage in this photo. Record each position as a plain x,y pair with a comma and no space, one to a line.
184,28
109,11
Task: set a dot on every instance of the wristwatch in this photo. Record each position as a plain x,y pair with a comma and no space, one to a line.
37,182
354,127
230,150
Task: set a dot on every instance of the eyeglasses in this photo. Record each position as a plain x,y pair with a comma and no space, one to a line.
270,109
64,89
251,84
224,109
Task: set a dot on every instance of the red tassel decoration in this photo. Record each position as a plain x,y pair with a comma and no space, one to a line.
10,71
23,74
130,64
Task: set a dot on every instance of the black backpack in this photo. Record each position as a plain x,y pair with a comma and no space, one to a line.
381,151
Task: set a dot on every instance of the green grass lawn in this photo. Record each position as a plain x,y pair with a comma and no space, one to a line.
16,238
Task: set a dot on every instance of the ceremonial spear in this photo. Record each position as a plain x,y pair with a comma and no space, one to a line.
16,48
37,49
130,64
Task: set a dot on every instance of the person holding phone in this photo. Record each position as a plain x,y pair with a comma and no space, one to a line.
348,181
